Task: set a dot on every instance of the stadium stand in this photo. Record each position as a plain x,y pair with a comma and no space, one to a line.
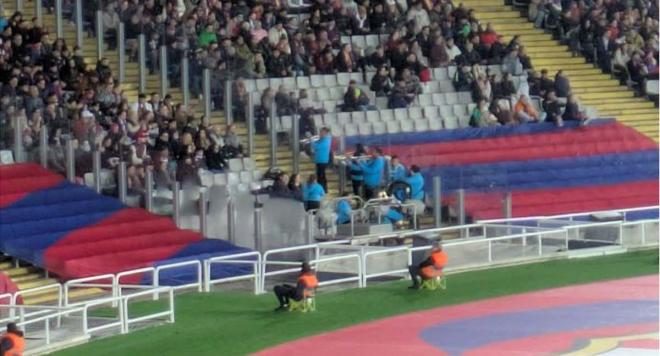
74,232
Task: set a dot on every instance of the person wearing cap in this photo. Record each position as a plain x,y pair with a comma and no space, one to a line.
12,342
305,286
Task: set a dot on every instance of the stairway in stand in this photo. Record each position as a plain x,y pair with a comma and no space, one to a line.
589,83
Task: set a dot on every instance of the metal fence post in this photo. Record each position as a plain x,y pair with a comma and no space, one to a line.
43,146
250,124
258,229
231,221
149,189
39,12
96,170
19,5
164,85
58,19
176,203
79,24
342,177
121,50
295,142
99,34
185,79
506,205
309,234
437,201
229,113
122,183
273,134
460,200
18,140
70,161
203,198
142,62
206,89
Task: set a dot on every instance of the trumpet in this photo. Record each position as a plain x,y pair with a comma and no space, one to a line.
310,139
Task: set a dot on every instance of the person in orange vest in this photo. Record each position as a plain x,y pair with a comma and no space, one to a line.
429,268
12,343
305,286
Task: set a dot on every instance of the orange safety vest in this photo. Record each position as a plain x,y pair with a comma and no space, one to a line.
18,345
439,260
309,282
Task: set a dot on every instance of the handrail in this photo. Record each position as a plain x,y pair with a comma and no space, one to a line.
198,283
357,278
169,313
119,275
654,207
365,255
79,282
256,265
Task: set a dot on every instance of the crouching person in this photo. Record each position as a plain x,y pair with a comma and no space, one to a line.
305,287
12,342
430,268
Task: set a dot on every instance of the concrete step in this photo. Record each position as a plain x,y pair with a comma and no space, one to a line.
603,82
605,96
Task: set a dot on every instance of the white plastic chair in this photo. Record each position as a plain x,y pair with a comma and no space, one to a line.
415,113
401,114
343,79
317,81
451,98
358,117
379,128
386,115
373,116
235,165
330,80
430,112
344,118
220,179
407,126
393,127
450,122
364,129
350,130
303,82
329,119
439,99
421,125
425,100
435,124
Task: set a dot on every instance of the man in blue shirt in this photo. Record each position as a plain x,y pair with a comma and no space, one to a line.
322,152
416,183
372,172
398,171
343,211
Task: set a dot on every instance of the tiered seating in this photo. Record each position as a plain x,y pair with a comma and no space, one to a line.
73,232
549,170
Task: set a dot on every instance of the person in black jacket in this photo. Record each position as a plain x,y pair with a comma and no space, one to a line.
381,83
562,85
552,108
572,111
355,98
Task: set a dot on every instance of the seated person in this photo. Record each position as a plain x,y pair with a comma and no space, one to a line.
355,99
430,268
343,211
572,111
416,183
525,111
398,171
312,193
304,288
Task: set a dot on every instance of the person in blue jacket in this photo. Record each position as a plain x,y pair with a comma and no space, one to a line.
416,183
356,170
373,174
343,211
312,193
398,171
322,150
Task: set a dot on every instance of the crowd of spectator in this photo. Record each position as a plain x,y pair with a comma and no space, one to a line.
620,36
46,81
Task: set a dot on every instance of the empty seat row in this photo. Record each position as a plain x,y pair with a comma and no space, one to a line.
463,97
230,178
364,41
409,114
393,127
304,82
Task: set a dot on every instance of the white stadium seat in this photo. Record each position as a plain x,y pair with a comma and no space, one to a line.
393,127
421,125
379,128
407,126
450,122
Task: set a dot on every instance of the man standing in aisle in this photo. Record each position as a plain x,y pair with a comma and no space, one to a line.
322,152
372,172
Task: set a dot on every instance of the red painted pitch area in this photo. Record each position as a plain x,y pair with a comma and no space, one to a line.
551,321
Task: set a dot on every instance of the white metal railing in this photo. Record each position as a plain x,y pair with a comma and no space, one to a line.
169,313
350,278
572,216
233,259
83,283
198,283
365,259
311,248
